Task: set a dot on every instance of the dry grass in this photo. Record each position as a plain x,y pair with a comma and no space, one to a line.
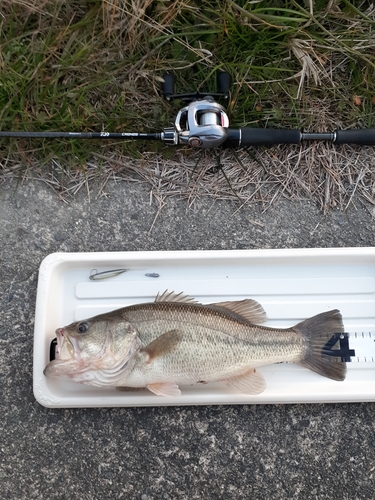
331,177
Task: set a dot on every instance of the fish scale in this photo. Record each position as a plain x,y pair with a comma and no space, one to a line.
199,321
217,357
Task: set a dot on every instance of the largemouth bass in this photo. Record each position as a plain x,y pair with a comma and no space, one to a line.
177,341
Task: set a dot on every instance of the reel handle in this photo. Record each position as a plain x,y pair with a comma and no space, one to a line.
223,82
167,86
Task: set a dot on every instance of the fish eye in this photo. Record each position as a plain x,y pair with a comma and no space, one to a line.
82,327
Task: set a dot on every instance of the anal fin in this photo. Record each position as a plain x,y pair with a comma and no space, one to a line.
250,382
164,389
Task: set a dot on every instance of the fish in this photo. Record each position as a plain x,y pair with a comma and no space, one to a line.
177,341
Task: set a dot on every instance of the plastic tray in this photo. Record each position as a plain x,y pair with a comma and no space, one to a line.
292,285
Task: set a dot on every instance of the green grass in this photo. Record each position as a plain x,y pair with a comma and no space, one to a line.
83,65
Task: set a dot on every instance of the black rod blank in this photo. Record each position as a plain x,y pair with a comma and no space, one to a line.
84,135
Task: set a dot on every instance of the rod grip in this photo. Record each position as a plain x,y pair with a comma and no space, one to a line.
247,136
364,137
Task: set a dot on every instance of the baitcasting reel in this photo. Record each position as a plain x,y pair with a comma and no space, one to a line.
204,123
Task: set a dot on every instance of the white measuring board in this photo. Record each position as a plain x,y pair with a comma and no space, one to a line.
291,285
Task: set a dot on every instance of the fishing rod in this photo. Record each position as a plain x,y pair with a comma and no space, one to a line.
204,123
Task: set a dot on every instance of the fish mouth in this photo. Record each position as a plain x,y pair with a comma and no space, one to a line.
60,342
67,348
61,356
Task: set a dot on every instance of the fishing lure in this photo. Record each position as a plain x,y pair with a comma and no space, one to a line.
95,276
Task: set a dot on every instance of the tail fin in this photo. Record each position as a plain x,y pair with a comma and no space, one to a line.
316,332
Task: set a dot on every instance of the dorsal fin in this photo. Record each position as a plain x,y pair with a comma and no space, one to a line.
167,296
248,309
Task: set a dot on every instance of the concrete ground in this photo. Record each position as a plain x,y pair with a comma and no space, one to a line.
324,451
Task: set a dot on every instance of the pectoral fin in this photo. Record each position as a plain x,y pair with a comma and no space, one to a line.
164,389
251,382
163,345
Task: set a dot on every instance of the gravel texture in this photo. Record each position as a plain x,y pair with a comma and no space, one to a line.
324,451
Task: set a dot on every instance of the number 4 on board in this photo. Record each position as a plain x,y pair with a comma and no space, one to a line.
342,350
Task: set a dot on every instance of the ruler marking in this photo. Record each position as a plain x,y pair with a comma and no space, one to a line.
363,344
